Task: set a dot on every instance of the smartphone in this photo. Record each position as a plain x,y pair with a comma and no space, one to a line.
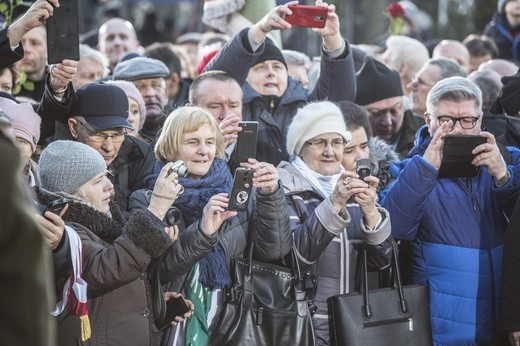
457,156
241,190
63,33
307,16
246,141
363,168
56,206
174,307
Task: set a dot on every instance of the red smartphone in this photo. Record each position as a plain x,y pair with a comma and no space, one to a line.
307,16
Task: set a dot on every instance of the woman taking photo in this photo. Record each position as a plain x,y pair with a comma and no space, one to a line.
333,212
210,235
115,252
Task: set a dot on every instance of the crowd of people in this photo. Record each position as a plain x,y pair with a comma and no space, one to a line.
119,169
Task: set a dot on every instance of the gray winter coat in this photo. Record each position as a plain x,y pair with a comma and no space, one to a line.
336,83
328,243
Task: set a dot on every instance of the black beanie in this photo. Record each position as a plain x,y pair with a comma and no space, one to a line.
376,82
271,52
509,100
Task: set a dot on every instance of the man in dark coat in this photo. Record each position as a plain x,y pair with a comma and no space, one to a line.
99,119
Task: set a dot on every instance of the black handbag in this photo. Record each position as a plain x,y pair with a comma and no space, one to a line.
267,305
389,316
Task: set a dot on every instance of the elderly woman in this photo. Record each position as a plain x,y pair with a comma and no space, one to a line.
210,235
116,253
136,106
327,231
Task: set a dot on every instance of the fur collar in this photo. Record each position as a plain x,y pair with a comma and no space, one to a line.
83,213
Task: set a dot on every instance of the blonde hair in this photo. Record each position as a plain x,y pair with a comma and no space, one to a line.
182,120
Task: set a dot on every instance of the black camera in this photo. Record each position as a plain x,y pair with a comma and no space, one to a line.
55,206
180,168
173,216
363,168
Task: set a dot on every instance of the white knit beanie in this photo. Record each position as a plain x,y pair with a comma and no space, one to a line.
312,120
65,166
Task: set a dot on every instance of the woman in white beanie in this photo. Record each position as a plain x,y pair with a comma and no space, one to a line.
113,253
327,231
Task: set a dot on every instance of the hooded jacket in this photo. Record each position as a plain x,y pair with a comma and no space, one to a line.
336,83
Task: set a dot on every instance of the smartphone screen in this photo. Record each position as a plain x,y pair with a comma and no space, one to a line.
246,141
174,307
241,190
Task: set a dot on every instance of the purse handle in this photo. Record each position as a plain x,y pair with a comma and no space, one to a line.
395,265
248,276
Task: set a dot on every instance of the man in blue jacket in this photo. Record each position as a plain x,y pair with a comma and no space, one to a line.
456,225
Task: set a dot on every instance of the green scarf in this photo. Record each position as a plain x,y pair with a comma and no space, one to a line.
197,333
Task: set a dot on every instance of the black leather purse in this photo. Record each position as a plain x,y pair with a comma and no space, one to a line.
398,316
267,305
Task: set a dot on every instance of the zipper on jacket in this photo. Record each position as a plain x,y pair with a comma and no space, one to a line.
271,106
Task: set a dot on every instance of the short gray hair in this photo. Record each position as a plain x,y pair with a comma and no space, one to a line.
87,52
456,89
448,67
297,58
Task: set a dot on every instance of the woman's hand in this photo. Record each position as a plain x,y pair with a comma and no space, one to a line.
366,197
330,34
178,319
214,214
165,192
173,232
52,227
265,176
343,190
274,20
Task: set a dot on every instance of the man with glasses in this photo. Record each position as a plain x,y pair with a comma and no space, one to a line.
99,119
456,225
380,93
430,73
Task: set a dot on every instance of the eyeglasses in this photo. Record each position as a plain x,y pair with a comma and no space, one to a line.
321,144
419,81
100,137
394,111
465,122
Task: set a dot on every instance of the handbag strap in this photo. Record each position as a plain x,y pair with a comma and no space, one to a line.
248,276
398,283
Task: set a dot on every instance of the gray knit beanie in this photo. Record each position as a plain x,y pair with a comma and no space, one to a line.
65,166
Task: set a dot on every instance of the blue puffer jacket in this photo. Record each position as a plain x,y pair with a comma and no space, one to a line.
457,227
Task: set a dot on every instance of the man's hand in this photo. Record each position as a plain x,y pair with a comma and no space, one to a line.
35,16
62,74
230,129
488,154
433,154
